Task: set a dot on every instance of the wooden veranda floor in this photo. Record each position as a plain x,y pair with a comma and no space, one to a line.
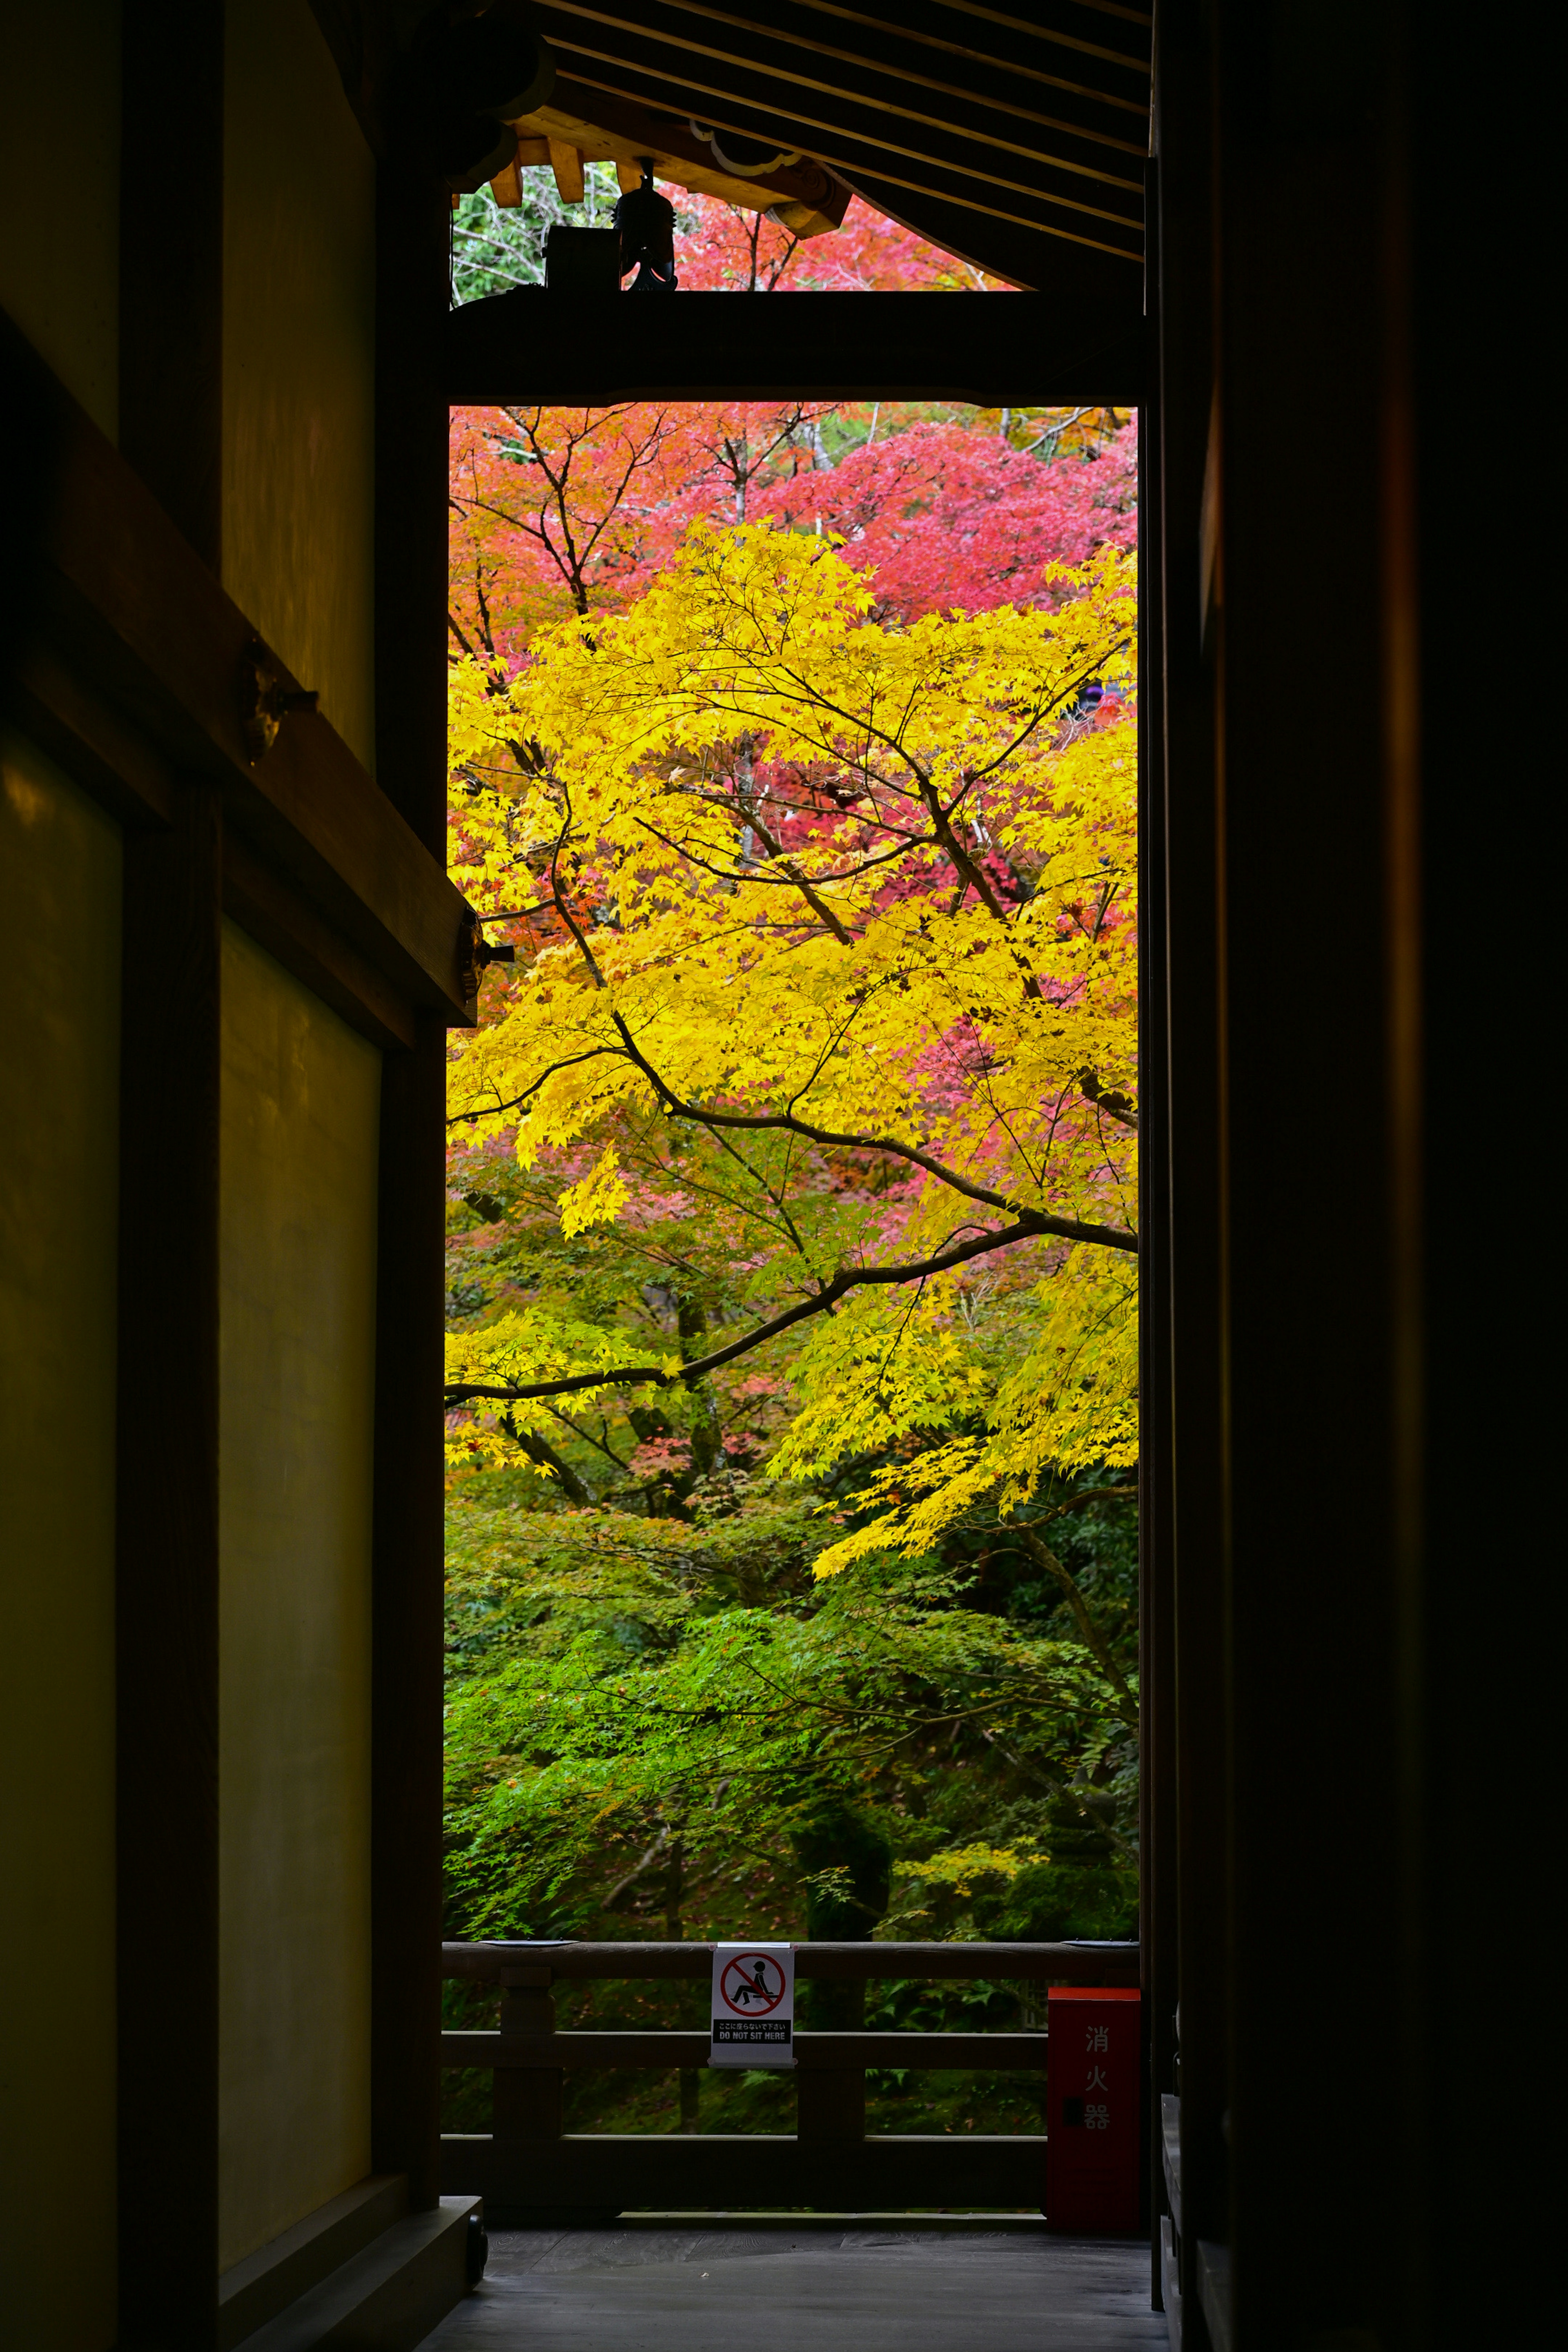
808,2286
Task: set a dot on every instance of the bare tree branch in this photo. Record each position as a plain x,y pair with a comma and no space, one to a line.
1039,1221
850,1278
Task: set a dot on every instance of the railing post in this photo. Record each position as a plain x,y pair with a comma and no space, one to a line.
831,2103
527,2099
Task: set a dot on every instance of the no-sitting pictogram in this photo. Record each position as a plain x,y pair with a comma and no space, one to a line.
753,1984
753,2005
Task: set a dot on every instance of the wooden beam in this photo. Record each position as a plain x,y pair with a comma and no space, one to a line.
806,196
261,903
108,756
134,646
821,2052
855,1963
530,346
664,2170
566,164
167,1576
507,185
125,774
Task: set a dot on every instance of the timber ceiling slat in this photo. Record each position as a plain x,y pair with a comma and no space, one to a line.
1012,136
993,41
1043,50
903,44
1069,22
1022,203
843,137
984,90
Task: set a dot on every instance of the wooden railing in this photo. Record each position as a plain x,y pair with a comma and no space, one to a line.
528,2162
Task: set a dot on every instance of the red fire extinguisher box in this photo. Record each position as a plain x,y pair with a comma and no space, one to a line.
1094,2134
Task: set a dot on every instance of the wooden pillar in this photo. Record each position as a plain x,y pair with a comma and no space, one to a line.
167,1603
528,2099
170,421
410,637
1188,875
1478,1339
171,259
406,1627
1156,1528
1307,1387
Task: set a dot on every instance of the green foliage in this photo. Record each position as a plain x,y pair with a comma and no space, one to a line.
903,1745
496,247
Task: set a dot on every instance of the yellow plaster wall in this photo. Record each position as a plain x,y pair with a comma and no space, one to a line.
60,1054
300,1094
298,358
59,191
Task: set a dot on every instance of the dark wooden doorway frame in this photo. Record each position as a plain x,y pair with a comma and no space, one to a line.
1009,350
532,347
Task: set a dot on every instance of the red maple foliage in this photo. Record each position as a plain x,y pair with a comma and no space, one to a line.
556,510
944,515
560,511
721,248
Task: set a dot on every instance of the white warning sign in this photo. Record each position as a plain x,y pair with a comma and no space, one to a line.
753,2005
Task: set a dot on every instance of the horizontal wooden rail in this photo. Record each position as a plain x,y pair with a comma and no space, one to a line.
813,2051
592,2173
1107,1964
530,2163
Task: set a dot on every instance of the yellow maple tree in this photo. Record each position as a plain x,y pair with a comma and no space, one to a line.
833,927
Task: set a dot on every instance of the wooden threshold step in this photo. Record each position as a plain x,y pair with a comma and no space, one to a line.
388,2297
267,2282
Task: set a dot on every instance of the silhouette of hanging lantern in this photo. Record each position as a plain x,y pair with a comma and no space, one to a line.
645,223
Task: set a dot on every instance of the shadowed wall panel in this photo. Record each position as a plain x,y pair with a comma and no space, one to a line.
301,1101
298,358
60,1051
59,191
